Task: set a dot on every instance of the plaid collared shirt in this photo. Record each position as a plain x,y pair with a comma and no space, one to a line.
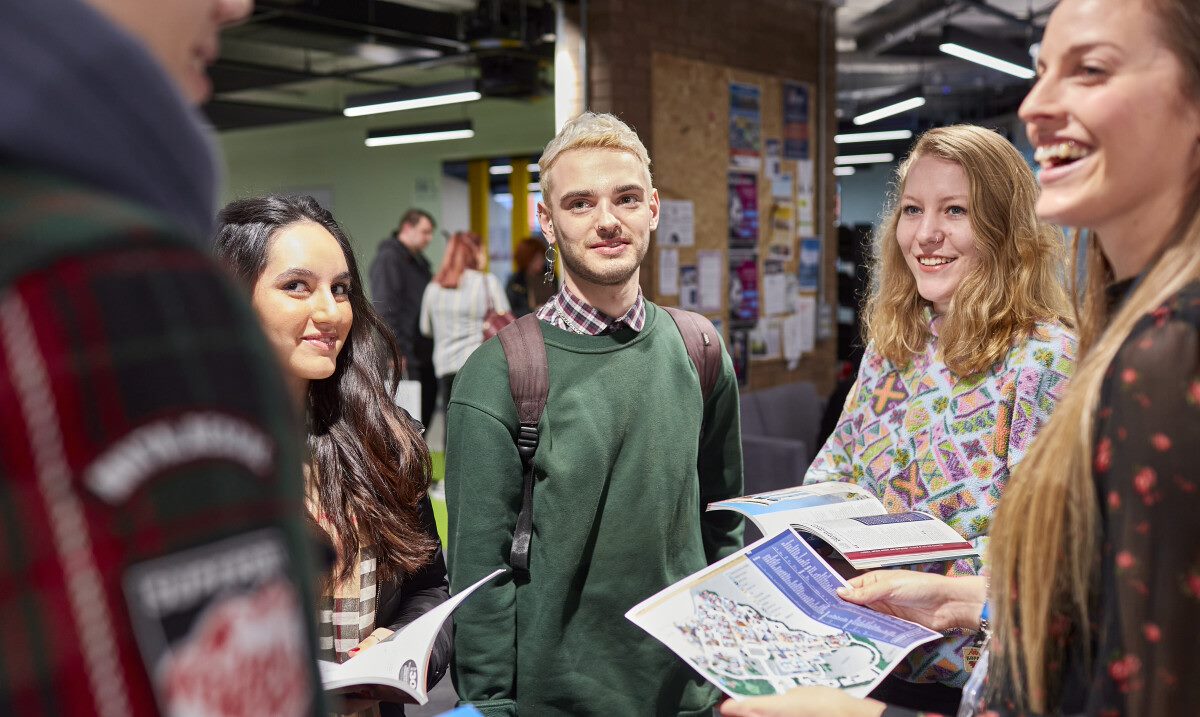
568,312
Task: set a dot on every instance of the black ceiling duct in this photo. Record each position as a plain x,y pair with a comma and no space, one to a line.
509,75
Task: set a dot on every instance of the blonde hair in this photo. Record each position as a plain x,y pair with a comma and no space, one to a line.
591,131
1046,537
1015,281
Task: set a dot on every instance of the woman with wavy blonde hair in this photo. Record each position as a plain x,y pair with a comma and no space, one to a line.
968,354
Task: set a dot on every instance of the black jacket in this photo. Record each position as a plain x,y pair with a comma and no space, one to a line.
402,600
398,281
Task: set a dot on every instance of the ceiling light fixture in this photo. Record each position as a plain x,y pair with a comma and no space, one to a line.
873,136
497,169
985,51
843,171
411,98
420,133
864,158
909,99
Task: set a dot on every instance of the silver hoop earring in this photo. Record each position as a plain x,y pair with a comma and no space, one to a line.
548,278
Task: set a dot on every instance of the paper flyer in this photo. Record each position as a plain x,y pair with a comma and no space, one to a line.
689,288
676,223
805,322
709,270
775,283
783,231
745,126
743,210
668,272
766,340
809,270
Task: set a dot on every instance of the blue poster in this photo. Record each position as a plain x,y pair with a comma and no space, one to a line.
745,126
795,120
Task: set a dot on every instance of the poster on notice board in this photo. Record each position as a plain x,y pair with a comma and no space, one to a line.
743,287
795,120
743,210
745,126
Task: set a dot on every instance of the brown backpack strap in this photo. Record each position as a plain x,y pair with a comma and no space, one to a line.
703,345
529,383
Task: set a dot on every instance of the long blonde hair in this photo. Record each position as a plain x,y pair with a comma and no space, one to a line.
1015,282
1046,537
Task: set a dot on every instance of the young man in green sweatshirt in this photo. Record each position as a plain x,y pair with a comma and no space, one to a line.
629,456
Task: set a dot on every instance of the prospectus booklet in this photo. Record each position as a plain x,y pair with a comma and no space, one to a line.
397,668
767,619
853,522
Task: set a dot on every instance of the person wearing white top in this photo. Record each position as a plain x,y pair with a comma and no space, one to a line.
454,305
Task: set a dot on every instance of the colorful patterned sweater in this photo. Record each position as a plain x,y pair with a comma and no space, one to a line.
923,439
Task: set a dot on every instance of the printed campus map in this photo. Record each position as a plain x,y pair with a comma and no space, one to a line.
767,619
756,655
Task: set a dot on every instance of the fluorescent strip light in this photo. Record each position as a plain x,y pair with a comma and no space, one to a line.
534,187
410,98
507,169
398,105
422,133
893,109
843,171
864,158
980,58
872,136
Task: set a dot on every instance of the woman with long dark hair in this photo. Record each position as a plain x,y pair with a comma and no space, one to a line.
368,466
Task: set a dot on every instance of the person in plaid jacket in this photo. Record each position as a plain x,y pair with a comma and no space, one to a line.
153,558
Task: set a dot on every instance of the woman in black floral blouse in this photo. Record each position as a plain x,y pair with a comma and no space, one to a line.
1095,554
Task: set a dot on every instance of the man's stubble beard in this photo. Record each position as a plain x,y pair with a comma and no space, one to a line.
577,266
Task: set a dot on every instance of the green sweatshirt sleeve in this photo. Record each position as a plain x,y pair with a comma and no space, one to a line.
720,465
483,487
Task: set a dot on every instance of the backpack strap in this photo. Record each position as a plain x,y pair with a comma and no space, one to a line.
529,382
703,348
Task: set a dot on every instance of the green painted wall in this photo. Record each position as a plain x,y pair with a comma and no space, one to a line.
371,187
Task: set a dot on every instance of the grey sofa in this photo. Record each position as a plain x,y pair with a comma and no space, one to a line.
779,434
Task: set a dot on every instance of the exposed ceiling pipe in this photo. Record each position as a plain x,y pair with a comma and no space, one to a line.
914,27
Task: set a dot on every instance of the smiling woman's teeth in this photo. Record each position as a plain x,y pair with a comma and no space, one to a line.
933,260
1053,153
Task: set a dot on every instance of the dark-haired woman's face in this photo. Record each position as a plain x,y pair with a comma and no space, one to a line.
303,300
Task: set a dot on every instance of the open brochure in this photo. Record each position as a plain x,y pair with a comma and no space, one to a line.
852,521
396,669
767,619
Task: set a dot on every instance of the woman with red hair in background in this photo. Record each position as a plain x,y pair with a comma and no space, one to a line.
455,303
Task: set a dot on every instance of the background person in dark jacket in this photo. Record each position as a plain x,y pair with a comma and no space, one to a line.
399,275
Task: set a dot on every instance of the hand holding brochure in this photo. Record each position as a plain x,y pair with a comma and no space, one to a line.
396,669
854,523
767,619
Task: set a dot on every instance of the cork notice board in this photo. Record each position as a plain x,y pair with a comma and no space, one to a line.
691,161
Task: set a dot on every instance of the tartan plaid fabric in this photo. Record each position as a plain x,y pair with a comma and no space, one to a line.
568,312
143,422
347,614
